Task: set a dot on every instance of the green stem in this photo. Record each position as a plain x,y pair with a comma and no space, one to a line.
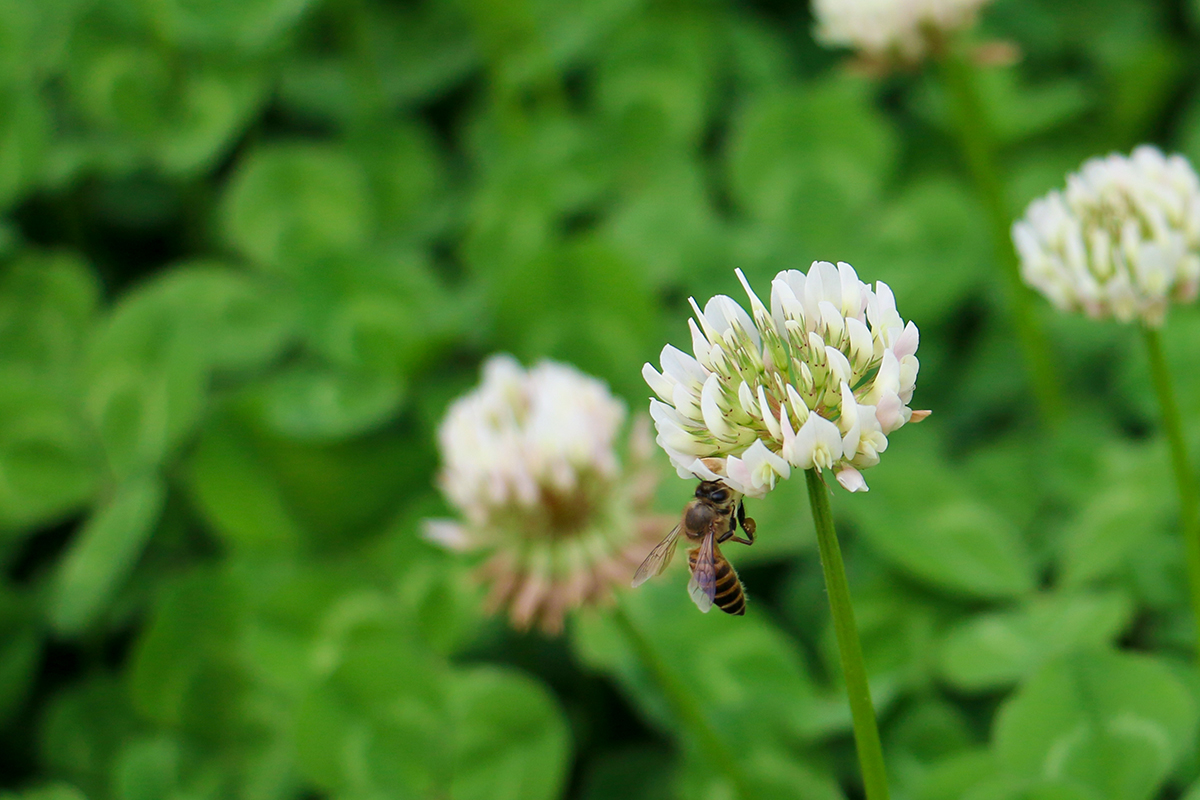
684,704
1189,512
979,150
866,731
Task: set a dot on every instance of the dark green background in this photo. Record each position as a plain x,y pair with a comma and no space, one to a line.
249,249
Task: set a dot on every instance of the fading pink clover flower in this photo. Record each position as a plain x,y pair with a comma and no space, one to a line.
529,460
818,381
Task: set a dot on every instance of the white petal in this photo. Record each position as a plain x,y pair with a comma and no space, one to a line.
906,343
768,418
700,344
738,478
757,309
851,479
832,319
446,533
818,444
710,330
661,386
682,368
848,422
687,403
747,401
839,365
784,305
764,467
862,347
714,417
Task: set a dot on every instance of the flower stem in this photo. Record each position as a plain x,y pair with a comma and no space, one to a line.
1189,512
685,705
866,731
978,148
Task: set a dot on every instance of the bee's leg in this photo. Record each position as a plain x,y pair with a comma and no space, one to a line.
747,525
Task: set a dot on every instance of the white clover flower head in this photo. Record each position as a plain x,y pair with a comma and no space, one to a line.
1123,240
891,30
529,460
817,381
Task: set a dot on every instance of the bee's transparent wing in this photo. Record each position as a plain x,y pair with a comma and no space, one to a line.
658,559
703,585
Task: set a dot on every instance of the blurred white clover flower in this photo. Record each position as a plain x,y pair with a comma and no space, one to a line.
886,30
818,381
1123,240
529,460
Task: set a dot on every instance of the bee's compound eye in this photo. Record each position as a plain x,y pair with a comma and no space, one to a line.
719,496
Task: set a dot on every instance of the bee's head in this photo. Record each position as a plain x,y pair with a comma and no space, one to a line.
712,491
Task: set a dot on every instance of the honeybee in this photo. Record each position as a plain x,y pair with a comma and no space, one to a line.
709,520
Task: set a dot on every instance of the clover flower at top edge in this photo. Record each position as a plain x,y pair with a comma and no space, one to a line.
1122,240
819,380
891,30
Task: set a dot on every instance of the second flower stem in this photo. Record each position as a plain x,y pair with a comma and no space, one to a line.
684,704
978,149
1189,510
862,711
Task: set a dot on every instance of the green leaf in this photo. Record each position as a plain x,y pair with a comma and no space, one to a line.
241,321
290,203
148,370
59,791
148,769
20,652
990,651
753,686
656,82
1109,527
48,466
929,247
48,302
236,492
81,729
771,773
407,178
23,135
668,226
319,401
919,517
821,146
208,113
190,632
104,552
510,742
360,731
637,772
150,363
249,25
1115,723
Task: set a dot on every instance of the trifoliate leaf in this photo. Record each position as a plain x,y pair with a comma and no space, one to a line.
1115,723
104,552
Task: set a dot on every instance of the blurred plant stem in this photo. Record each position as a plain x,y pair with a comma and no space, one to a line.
683,702
866,731
959,77
1189,508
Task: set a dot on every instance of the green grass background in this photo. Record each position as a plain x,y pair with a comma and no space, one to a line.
249,250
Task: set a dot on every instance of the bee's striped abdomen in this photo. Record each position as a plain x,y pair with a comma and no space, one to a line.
730,597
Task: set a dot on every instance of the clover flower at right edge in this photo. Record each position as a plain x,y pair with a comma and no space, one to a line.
1122,240
819,381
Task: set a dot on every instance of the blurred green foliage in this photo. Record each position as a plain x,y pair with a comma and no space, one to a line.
249,249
